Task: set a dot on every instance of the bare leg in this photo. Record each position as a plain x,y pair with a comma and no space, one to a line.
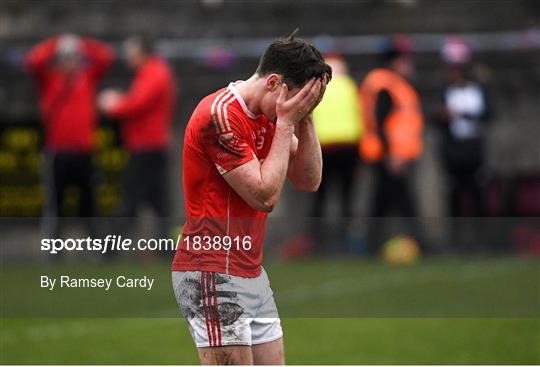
228,355
269,353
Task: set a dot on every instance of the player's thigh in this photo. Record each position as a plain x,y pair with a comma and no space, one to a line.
269,353
226,355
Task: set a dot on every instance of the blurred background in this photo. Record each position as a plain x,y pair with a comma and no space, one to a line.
95,97
487,165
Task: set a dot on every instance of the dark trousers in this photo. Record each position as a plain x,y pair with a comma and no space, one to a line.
467,234
339,166
145,182
393,194
464,181
338,171
394,197
60,171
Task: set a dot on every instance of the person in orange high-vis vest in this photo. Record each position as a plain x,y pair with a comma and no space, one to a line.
398,135
392,139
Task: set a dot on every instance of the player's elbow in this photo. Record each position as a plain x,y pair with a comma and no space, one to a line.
262,206
265,200
308,185
316,183
267,205
268,208
312,187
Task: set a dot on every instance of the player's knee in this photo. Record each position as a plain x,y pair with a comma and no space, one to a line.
230,355
233,356
226,357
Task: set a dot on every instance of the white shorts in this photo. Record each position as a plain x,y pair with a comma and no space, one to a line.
223,309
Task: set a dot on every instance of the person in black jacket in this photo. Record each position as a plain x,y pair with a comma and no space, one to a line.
463,117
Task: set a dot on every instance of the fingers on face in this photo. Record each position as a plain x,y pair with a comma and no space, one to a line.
305,90
310,95
283,92
323,89
325,81
319,93
315,91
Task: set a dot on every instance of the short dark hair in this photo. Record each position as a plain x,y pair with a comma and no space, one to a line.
145,43
297,60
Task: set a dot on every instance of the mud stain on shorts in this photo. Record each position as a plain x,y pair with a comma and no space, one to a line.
189,297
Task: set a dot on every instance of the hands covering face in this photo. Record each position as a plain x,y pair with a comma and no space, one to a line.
296,108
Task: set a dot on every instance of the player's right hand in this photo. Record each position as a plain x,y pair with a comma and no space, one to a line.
292,110
108,99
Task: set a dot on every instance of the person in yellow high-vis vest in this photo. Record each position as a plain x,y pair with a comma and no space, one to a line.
338,121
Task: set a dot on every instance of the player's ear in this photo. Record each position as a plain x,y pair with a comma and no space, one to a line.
273,82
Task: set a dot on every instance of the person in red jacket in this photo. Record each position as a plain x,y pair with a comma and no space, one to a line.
67,70
145,113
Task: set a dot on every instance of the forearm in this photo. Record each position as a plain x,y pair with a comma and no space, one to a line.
39,56
128,105
100,53
274,167
260,184
305,169
140,97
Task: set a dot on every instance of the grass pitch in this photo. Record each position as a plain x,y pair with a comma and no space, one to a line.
333,312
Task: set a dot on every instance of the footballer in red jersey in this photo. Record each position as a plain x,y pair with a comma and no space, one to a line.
241,143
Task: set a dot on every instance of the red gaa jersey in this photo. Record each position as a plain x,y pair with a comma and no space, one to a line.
67,101
222,232
146,111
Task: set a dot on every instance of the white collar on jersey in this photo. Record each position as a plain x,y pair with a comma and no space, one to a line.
250,114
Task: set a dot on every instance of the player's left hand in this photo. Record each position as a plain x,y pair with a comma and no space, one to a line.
324,82
309,116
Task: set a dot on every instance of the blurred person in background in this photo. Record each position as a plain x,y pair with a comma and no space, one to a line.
338,123
463,116
145,113
67,70
392,141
